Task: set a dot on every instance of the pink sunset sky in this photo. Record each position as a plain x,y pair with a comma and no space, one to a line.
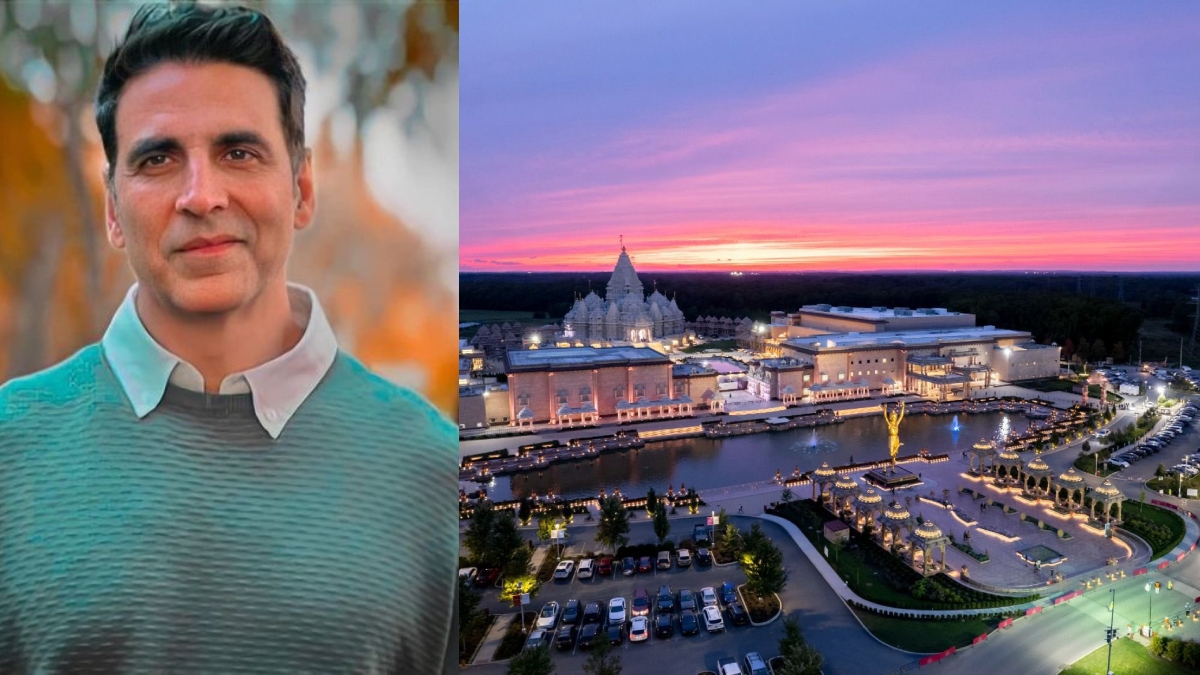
861,136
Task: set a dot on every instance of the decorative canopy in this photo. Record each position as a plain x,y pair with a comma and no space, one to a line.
1009,457
870,498
928,531
824,472
1038,467
984,448
1071,478
896,515
1107,490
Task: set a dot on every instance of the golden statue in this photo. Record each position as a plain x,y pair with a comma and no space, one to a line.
893,422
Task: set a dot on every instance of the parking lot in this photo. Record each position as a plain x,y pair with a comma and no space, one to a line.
1174,442
676,654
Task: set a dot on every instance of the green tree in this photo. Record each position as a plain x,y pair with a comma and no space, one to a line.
613,529
729,544
519,564
651,502
603,661
1118,352
799,658
787,496
532,662
493,536
662,525
546,523
765,572
525,511
1087,447
475,539
1099,350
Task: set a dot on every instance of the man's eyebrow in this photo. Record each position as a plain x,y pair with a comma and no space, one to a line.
242,138
150,146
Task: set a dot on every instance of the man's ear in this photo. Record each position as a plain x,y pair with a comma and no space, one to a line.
306,194
112,227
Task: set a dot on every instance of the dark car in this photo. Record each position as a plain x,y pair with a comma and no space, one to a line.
628,567
664,627
687,601
666,600
488,577
688,623
571,612
605,566
728,593
738,615
645,564
565,638
592,613
641,602
616,634
589,636
700,534
703,557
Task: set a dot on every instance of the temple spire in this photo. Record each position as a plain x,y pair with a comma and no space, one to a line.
622,239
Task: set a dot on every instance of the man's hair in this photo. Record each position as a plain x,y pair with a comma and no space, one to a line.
190,33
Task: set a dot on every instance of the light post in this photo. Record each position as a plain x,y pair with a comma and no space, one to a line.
1112,633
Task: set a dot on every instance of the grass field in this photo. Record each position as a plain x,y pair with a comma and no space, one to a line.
1127,657
1156,516
924,636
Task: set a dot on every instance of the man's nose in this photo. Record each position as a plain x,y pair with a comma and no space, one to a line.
203,189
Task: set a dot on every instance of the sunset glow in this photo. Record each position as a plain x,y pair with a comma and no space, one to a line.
991,138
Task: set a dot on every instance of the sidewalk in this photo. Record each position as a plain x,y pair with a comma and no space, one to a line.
494,637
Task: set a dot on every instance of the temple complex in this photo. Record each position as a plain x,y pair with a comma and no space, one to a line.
625,314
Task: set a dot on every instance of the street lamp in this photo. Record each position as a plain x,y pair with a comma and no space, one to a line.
1112,633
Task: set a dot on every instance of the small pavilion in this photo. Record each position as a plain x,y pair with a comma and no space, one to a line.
895,518
867,506
926,538
790,397
1040,474
525,417
844,491
1008,467
980,454
1108,495
821,478
1068,485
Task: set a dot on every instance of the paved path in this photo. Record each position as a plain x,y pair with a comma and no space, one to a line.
494,637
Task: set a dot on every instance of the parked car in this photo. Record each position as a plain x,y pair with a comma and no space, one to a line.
755,664
628,567
639,629
468,574
488,577
571,612
737,614
645,564
587,568
728,666
616,611
713,622
728,593
538,637
615,633
703,557
664,626
708,596
564,570
641,602
605,566
666,600
700,535
688,623
683,558
664,560
589,635
548,617
592,613
687,600
565,639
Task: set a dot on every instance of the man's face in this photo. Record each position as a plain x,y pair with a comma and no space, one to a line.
203,197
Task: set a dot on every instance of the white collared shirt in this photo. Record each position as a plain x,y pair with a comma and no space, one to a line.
278,387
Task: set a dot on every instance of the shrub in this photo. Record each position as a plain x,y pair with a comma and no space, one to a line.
1157,645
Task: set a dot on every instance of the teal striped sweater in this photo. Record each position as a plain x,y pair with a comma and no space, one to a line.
190,541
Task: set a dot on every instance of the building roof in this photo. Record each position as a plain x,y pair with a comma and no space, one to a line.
908,339
836,526
873,313
576,358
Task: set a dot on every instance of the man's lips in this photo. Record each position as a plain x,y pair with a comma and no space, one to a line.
208,244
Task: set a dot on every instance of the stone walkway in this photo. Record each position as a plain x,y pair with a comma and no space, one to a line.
494,637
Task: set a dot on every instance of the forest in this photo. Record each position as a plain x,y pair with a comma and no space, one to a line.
1081,312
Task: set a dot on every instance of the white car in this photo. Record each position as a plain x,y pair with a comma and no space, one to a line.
713,622
564,569
639,628
683,558
1104,433
708,596
587,568
548,617
728,666
616,611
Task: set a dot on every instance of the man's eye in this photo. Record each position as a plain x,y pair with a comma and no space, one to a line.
239,154
155,160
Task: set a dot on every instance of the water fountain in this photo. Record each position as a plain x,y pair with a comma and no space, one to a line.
812,443
955,426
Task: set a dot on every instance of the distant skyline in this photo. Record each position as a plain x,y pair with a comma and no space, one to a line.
777,136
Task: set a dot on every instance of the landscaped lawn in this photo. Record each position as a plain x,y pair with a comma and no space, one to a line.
1156,516
1127,657
923,635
